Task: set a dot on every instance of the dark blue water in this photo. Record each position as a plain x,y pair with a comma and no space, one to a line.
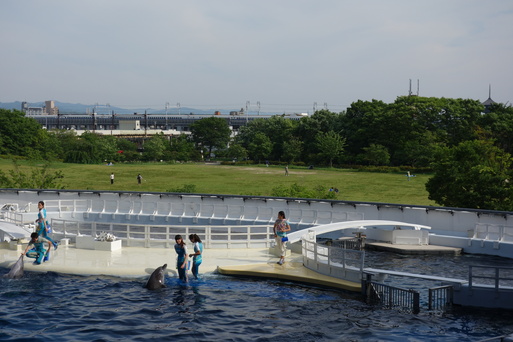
51,307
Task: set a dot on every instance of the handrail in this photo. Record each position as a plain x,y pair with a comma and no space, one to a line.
213,236
334,261
497,278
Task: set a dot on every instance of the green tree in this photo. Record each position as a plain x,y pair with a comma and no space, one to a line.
330,146
498,124
474,174
182,149
126,151
211,133
90,148
260,147
155,147
292,149
66,139
360,125
236,151
277,129
376,154
18,134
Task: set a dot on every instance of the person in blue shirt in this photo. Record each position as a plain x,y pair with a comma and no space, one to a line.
43,228
181,260
198,254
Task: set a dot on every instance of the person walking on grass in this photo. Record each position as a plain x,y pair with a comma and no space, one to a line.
281,227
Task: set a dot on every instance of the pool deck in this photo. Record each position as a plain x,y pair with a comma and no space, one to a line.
140,262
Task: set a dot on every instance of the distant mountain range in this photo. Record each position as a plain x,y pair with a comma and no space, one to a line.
77,108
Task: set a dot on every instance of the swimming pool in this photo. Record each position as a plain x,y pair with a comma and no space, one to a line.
73,308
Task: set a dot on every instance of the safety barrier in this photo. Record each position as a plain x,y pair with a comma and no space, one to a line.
132,235
492,233
496,277
333,261
189,209
440,298
391,297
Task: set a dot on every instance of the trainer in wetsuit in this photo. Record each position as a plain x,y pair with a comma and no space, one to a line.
39,251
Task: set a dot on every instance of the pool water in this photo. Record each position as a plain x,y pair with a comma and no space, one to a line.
53,307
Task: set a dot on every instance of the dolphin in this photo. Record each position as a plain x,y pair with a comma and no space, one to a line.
16,271
156,280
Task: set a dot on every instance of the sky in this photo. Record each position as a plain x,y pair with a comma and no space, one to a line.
280,55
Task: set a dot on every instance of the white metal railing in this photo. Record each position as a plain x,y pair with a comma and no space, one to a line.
493,232
333,261
147,235
19,218
139,206
496,276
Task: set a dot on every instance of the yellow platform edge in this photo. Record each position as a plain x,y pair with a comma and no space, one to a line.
289,271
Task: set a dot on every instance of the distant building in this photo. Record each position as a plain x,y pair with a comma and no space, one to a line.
27,109
489,102
48,109
126,125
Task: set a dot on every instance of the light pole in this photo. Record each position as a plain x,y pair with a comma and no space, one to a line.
247,110
314,107
167,106
178,105
258,105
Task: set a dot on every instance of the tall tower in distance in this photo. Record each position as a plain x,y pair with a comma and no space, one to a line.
489,102
50,108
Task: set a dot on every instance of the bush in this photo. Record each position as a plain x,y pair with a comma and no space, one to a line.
186,188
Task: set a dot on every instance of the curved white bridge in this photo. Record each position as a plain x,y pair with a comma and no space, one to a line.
360,225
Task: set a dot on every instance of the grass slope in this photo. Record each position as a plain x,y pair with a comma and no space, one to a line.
241,180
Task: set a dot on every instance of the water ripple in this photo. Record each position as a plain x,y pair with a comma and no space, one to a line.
73,308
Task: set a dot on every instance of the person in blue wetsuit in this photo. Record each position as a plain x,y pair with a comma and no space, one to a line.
38,252
181,260
43,227
197,256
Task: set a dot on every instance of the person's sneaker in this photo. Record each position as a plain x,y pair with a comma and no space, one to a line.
37,263
45,258
280,262
55,246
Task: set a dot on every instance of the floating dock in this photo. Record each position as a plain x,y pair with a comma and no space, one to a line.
412,249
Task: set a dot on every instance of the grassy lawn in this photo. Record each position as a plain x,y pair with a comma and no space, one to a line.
256,180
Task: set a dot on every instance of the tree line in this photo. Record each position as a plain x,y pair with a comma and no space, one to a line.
467,147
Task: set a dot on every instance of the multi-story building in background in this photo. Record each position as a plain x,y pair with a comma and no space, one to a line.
48,109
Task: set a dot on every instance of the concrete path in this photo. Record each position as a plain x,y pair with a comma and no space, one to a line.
139,262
